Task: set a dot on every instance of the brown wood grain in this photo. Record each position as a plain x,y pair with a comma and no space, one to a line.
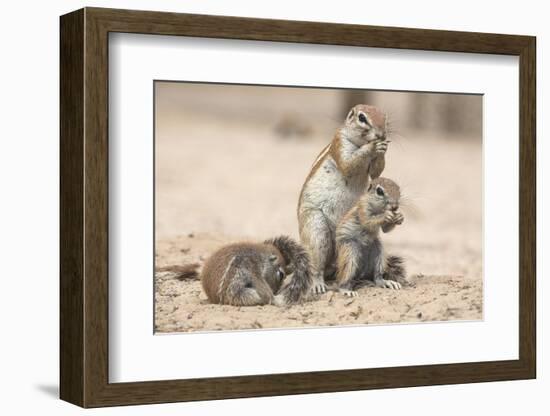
84,207
71,208
527,208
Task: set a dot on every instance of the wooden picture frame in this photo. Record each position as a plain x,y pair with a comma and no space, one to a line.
84,207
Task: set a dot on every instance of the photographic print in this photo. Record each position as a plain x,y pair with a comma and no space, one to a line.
289,207
327,179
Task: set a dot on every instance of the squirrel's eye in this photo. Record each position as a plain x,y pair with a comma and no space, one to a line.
280,274
362,118
379,191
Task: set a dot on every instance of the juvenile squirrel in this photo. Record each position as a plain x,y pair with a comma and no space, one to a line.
360,252
246,274
338,177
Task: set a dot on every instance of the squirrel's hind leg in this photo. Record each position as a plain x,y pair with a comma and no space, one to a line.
349,255
317,237
379,260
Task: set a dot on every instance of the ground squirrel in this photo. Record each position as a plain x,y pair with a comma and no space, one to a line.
359,249
338,177
246,274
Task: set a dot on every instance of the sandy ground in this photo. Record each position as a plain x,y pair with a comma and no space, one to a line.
182,306
246,188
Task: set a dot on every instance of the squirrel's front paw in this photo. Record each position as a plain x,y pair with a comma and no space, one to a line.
394,217
389,217
374,148
381,147
398,218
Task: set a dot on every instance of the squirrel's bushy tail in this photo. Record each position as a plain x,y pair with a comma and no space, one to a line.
182,272
298,287
395,269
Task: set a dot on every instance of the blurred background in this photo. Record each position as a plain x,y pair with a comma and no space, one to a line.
231,161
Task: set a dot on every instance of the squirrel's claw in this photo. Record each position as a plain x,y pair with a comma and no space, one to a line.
318,288
381,147
387,284
349,293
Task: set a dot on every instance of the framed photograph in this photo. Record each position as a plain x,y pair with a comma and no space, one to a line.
256,207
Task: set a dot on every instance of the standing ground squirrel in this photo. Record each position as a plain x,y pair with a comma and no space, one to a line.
246,274
338,177
360,251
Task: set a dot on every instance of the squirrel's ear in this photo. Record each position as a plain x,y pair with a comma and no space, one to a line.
273,258
369,187
351,114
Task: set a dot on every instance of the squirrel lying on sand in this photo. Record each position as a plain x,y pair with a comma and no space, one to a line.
246,274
